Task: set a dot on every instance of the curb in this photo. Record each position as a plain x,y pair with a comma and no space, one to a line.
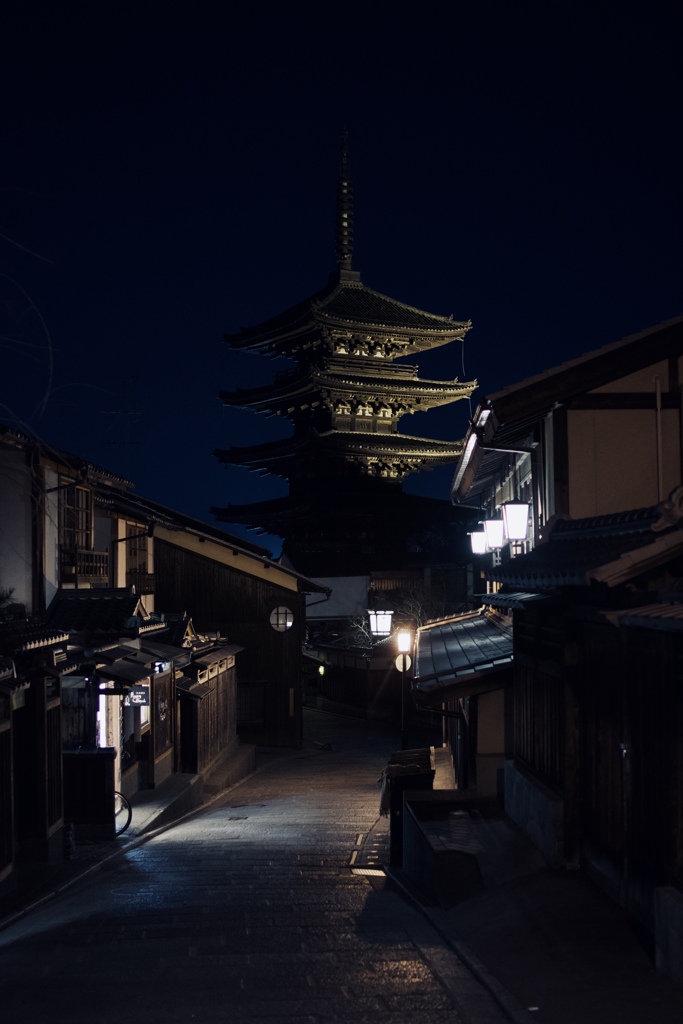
505,1000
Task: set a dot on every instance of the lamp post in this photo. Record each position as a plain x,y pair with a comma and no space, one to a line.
404,644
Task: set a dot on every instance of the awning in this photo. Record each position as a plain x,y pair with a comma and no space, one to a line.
193,689
462,656
656,616
123,671
519,599
218,654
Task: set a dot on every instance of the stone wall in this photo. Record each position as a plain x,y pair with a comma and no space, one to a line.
537,810
669,932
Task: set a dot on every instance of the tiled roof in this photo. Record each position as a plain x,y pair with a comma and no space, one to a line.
20,636
665,616
364,377
340,441
606,549
347,302
518,599
361,305
93,611
152,512
464,650
125,671
72,462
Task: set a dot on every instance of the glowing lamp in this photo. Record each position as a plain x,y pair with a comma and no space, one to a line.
516,520
495,534
380,622
404,641
478,542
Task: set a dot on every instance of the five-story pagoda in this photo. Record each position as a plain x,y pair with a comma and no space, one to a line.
346,460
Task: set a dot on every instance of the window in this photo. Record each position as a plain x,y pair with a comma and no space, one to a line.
281,619
75,518
137,544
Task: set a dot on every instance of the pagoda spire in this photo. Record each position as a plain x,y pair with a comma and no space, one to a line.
344,208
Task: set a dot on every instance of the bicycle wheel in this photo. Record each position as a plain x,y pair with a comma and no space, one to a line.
123,813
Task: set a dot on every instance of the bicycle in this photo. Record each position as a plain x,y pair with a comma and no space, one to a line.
123,812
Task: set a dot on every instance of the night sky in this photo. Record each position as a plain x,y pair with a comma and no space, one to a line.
168,175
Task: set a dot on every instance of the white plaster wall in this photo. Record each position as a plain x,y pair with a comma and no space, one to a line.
643,380
613,459
51,521
15,528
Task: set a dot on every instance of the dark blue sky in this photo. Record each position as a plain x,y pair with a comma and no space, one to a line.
168,174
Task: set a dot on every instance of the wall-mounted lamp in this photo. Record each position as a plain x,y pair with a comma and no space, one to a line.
513,527
478,542
516,520
495,533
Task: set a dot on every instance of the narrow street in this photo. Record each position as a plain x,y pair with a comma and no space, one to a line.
252,910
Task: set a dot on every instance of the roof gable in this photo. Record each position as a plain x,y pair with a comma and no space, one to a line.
592,370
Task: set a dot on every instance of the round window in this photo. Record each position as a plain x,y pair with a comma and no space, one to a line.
281,619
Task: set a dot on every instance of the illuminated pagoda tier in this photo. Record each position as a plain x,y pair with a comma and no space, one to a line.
346,459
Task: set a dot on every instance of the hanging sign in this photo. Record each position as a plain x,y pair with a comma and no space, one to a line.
138,696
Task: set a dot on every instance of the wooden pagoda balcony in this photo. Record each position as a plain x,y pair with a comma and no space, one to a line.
144,582
81,566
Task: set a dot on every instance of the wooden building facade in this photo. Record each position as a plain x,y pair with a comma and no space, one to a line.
594,774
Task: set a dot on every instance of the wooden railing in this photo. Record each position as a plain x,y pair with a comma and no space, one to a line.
88,566
144,582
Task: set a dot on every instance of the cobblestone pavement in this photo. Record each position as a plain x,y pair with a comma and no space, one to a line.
262,908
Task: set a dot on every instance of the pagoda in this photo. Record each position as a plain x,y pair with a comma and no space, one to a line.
346,460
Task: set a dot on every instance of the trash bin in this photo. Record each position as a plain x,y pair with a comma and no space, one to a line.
405,770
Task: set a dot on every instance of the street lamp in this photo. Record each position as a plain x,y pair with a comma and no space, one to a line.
404,644
380,622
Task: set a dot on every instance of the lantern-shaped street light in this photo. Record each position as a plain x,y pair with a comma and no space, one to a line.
478,542
404,644
380,622
495,534
516,520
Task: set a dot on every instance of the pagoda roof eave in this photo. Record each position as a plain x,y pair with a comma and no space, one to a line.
428,393
350,305
357,444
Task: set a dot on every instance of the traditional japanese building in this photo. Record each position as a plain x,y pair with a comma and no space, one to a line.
346,460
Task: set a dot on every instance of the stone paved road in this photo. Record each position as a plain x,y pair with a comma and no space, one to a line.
249,911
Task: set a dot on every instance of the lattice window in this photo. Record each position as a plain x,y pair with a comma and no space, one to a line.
281,619
75,518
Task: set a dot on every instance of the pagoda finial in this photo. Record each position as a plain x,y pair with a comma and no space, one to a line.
344,208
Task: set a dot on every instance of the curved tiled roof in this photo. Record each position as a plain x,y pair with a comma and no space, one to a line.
340,441
348,303
609,549
356,304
